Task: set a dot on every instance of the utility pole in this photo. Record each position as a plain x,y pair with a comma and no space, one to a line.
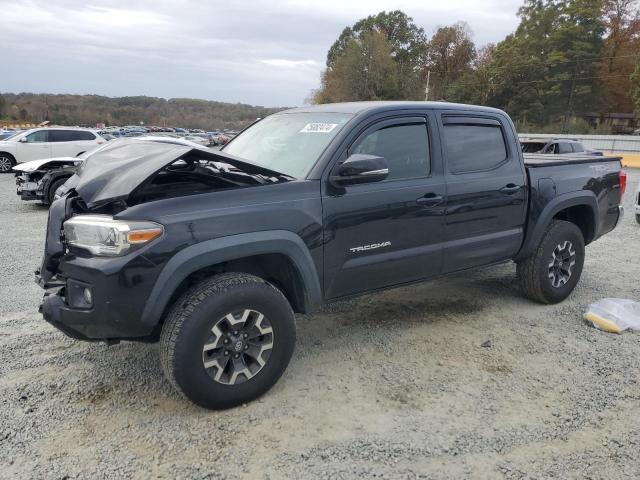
570,102
426,90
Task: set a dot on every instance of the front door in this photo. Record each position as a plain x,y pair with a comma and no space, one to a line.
34,147
390,232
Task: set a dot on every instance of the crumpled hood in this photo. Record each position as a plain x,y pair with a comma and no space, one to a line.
114,172
38,164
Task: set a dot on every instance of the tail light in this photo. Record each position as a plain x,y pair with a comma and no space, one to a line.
623,182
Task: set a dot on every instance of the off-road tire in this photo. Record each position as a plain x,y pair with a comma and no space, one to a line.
7,161
189,324
533,272
53,187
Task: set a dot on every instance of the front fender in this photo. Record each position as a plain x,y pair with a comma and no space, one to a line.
224,249
556,205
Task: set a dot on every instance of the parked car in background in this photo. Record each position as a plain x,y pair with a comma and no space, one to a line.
48,142
5,134
561,146
222,139
201,138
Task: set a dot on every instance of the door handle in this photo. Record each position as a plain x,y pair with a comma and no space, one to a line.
510,189
430,200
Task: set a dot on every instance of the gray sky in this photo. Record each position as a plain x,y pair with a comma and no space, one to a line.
259,52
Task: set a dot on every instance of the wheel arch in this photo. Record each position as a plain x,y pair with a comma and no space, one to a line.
52,179
580,208
280,257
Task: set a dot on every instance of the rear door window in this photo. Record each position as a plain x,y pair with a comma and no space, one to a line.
474,147
70,135
61,136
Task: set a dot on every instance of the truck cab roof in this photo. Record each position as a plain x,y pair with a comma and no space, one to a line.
383,106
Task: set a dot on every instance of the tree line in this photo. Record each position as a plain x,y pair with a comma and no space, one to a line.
88,110
567,59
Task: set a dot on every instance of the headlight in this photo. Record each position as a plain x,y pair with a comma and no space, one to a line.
103,236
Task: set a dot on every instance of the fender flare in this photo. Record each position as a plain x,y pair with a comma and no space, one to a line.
224,249
562,202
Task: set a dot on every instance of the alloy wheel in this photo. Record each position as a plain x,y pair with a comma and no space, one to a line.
5,164
238,348
562,261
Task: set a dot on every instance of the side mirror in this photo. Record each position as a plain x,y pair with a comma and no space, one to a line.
360,168
23,140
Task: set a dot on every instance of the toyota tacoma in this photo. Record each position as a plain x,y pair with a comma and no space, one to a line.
211,253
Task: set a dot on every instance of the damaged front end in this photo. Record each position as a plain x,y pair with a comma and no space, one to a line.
99,265
34,178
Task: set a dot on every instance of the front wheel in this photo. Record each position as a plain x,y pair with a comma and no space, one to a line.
6,162
227,340
552,271
51,194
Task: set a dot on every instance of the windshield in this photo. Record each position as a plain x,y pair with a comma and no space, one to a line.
288,143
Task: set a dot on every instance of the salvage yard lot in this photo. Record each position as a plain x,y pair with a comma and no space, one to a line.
462,378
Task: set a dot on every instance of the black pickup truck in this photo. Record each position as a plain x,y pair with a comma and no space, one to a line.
212,252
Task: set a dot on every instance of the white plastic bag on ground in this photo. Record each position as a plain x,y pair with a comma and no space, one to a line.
614,315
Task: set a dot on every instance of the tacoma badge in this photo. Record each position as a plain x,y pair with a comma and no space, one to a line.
373,246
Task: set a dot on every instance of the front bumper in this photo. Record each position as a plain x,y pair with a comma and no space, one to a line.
114,313
55,311
105,320
27,189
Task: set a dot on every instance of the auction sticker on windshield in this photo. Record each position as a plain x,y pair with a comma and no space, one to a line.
318,127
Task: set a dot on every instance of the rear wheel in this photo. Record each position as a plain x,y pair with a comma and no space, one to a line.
57,183
551,273
6,162
227,340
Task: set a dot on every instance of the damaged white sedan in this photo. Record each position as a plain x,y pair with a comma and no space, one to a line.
39,180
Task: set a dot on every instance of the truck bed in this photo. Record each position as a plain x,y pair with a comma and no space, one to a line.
534,160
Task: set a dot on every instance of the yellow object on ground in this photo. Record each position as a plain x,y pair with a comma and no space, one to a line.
602,323
631,160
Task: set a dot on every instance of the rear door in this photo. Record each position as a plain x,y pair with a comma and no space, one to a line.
390,232
486,190
35,147
71,143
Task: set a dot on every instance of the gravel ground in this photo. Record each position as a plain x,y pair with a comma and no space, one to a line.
460,378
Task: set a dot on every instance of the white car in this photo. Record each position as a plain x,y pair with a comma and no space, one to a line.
39,143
